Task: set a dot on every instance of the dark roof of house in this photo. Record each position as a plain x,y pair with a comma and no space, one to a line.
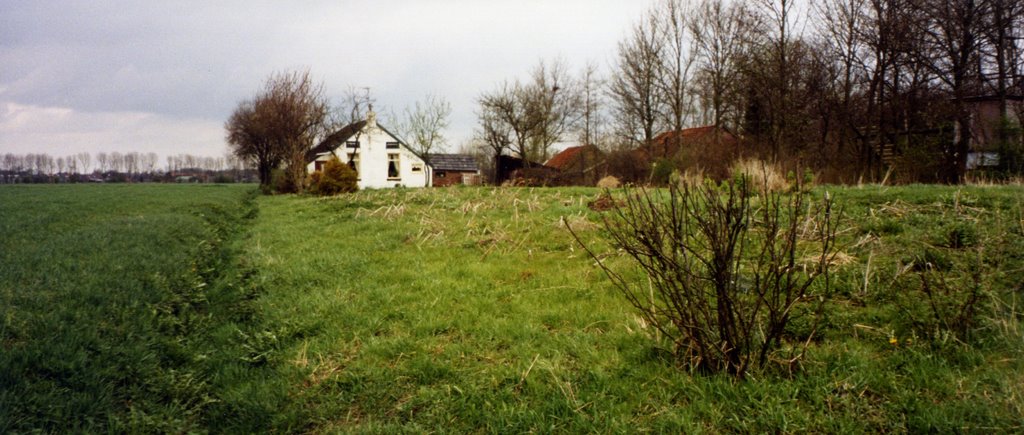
333,140
453,162
568,155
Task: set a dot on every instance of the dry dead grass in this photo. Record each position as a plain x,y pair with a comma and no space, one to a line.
692,177
972,179
609,182
763,175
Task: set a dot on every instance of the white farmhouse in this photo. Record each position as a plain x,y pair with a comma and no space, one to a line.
380,158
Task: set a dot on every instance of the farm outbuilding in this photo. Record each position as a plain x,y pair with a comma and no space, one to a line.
454,169
580,165
514,170
709,148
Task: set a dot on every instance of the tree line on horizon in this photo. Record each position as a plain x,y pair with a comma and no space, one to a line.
833,88
118,167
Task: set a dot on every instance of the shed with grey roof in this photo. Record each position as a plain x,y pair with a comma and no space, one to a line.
452,169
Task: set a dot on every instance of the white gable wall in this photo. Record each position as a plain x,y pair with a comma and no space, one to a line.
373,161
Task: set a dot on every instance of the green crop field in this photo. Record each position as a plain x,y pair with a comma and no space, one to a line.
105,301
207,308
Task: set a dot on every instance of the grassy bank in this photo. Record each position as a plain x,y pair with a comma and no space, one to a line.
471,309
106,304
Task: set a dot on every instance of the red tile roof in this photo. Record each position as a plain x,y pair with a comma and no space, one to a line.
564,158
688,133
666,144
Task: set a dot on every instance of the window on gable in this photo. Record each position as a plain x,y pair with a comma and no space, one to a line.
392,145
393,172
352,144
417,168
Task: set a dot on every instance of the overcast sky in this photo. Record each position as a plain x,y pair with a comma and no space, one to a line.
164,75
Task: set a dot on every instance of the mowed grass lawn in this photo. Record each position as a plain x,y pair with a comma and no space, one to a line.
194,308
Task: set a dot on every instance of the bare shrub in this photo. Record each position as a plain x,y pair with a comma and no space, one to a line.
946,304
943,293
609,182
761,173
728,269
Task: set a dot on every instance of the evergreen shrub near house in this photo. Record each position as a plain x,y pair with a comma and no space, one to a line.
335,178
661,172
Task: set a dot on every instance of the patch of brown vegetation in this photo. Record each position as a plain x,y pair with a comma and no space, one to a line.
604,202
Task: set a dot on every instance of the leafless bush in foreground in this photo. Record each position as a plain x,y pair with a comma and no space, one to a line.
728,268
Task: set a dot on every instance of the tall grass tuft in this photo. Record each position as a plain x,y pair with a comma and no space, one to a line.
763,175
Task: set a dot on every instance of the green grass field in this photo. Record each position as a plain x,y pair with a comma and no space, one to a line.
105,301
192,308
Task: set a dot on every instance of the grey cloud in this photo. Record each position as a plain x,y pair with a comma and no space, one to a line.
197,59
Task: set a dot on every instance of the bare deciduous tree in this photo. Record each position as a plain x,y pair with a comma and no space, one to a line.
149,161
592,105
356,103
508,106
250,139
536,113
843,52
720,31
84,161
677,64
280,125
775,73
102,161
424,125
555,96
953,33
633,87
494,134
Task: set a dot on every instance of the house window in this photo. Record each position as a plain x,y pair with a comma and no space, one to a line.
352,144
318,166
392,145
393,173
417,168
353,162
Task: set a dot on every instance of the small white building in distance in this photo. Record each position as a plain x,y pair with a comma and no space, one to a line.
379,157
